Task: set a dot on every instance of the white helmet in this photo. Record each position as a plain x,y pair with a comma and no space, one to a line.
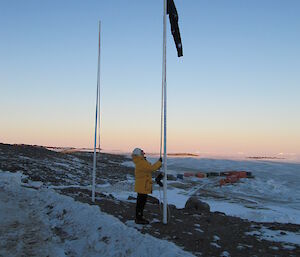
137,152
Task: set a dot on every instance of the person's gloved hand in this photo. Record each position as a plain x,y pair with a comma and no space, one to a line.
160,159
158,179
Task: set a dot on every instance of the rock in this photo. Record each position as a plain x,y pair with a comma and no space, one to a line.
194,204
172,206
213,174
180,176
24,180
111,196
220,213
171,177
152,200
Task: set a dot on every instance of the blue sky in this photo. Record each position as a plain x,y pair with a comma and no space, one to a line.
236,89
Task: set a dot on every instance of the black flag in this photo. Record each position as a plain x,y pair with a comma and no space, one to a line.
173,16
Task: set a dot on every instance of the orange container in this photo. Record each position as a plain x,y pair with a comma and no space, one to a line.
188,174
200,175
229,180
222,182
242,174
232,179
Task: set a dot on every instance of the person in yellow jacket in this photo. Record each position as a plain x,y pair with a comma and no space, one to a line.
143,181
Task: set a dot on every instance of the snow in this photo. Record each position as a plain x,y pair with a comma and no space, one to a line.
274,214
198,228
121,190
175,196
277,235
225,254
215,245
129,164
216,238
41,222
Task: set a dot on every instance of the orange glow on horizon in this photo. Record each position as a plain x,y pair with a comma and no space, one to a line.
125,141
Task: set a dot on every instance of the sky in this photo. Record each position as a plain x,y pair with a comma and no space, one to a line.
235,90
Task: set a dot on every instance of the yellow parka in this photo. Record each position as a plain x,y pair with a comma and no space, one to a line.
143,174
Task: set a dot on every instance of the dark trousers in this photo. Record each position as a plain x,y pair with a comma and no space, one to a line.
140,205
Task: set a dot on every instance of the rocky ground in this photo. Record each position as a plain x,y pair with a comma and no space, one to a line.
201,232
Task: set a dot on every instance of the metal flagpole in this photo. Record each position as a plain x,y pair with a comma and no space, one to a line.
161,115
165,113
96,121
99,87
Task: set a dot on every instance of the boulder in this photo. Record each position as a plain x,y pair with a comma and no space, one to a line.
171,177
131,198
152,200
194,204
24,180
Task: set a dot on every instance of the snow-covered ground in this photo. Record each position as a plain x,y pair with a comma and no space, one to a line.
44,223
272,196
276,235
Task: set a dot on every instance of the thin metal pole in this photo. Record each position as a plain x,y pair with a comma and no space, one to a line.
161,116
96,121
162,111
165,112
99,87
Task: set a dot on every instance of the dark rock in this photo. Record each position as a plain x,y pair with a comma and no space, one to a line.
194,204
180,176
171,177
24,180
111,196
220,213
152,200
172,206
212,174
